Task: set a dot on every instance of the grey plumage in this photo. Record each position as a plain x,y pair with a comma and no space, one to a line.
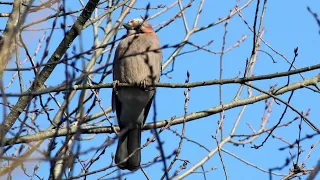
137,60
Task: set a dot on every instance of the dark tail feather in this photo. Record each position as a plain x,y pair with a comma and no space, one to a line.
122,151
134,142
127,144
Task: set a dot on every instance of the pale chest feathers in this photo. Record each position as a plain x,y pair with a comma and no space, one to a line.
138,58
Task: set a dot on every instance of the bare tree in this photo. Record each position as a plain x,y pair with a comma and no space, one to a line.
228,99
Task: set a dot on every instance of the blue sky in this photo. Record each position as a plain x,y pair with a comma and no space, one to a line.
288,25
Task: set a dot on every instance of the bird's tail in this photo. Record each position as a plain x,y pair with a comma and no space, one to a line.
129,143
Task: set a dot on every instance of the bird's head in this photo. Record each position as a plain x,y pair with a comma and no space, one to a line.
138,25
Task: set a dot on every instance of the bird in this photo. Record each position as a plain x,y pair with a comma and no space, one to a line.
137,60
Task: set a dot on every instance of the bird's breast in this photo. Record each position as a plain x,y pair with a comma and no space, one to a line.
136,61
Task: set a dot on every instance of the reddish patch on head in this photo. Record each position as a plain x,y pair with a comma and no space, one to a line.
146,28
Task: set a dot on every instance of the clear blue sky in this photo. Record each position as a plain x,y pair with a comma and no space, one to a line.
288,25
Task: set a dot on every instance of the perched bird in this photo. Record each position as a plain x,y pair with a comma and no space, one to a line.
137,61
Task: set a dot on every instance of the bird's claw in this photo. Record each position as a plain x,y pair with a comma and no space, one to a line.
143,85
115,85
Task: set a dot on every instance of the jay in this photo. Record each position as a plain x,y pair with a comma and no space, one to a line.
137,61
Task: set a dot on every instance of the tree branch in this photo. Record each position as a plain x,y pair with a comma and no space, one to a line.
64,87
196,115
47,70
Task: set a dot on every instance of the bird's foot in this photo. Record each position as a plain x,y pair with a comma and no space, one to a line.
115,85
144,86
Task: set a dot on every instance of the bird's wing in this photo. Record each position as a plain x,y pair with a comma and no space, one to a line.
116,105
147,108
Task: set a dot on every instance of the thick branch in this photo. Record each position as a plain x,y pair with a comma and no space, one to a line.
47,70
16,19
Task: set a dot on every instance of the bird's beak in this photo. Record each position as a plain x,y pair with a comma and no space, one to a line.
127,26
